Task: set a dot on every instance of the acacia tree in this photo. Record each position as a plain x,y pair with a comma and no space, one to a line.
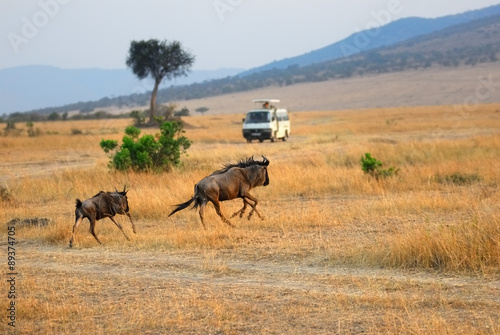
158,60
202,110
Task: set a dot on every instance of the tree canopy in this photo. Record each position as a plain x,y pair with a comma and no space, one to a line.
158,60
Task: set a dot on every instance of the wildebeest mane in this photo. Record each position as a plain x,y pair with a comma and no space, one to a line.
244,163
98,194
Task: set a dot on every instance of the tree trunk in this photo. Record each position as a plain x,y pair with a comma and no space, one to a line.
152,104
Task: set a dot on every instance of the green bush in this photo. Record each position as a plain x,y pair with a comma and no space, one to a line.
148,153
183,112
372,166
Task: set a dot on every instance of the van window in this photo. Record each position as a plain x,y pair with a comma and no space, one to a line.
282,117
257,117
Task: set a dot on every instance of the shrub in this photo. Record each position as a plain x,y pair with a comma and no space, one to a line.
373,167
148,153
11,130
183,112
10,125
370,164
139,118
32,132
54,116
165,113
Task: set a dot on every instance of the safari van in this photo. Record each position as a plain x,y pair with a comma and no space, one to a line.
266,122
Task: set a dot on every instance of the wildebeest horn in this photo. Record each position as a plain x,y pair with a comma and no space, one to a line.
265,161
124,190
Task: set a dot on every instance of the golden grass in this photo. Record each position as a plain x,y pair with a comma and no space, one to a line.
338,251
468,246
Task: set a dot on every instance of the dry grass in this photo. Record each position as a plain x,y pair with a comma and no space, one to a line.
338,252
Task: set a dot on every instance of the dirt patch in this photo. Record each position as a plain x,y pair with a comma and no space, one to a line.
223,293
40,222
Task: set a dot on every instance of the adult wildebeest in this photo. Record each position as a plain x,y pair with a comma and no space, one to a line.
100,206
233,181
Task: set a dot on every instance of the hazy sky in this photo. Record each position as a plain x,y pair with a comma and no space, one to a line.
220,33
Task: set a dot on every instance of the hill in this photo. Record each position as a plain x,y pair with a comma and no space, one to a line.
388,34
433,86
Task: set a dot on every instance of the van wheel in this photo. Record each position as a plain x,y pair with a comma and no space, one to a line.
273,138
286,136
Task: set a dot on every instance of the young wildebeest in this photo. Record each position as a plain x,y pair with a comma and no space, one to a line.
233,181
100,206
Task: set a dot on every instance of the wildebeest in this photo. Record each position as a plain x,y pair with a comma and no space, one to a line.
232,181
100,206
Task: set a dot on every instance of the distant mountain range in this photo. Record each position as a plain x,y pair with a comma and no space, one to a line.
389,34
33,87
408,43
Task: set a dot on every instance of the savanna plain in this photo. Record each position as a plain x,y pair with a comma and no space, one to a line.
338,251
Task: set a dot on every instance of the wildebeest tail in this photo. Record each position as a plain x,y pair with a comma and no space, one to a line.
183,205
78,203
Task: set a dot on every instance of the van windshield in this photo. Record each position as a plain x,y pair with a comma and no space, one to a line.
257,117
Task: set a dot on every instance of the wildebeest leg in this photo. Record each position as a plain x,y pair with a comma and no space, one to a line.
119,226
133,226
219,212
92,229
201,212
77,222
242,210
248,196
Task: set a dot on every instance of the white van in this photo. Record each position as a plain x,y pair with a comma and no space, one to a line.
266,122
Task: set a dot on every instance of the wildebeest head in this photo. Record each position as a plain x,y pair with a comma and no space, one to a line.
261,170
121,199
